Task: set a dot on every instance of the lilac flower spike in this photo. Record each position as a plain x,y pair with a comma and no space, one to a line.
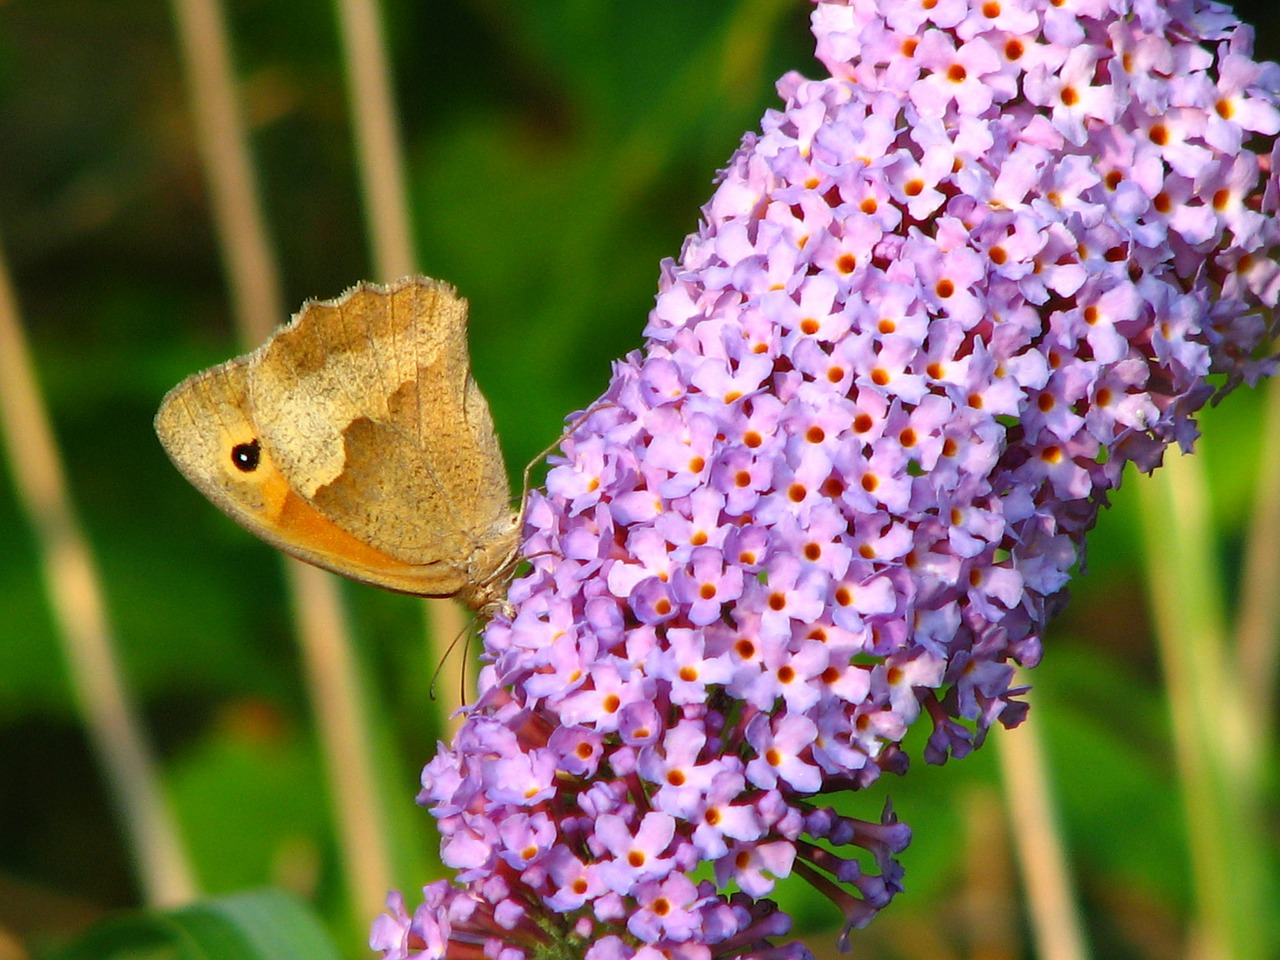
932,310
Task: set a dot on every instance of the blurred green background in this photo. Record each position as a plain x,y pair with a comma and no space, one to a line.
557,150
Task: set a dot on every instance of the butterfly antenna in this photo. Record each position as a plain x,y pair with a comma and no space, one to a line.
463,635
568,432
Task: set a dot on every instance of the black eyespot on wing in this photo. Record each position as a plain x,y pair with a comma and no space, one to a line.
246,456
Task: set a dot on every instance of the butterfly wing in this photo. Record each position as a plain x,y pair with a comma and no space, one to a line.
367,406
202,423
356,439
205,427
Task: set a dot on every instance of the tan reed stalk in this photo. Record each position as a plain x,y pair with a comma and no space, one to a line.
1215,747
254,279
76,596
382,179
10,948
377,138
1258,626
991,926
1056,927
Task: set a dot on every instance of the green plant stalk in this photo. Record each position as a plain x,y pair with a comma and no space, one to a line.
1258,625
1210,730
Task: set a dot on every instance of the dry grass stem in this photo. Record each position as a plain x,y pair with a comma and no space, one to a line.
1056,926
76,595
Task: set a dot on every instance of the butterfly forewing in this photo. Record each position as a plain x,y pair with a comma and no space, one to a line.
373,451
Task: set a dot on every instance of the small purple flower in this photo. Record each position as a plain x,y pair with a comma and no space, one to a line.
780,748
754,866
630,858
666,911
707,585
691,670
719,819
935,305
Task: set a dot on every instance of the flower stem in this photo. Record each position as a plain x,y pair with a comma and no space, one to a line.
1216,748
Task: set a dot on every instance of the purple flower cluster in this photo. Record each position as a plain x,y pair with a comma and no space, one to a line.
933,309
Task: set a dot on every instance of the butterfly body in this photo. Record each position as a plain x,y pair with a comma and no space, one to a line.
356,439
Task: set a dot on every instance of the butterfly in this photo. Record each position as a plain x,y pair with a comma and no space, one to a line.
356,439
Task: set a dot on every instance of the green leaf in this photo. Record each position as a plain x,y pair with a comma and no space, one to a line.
261,925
